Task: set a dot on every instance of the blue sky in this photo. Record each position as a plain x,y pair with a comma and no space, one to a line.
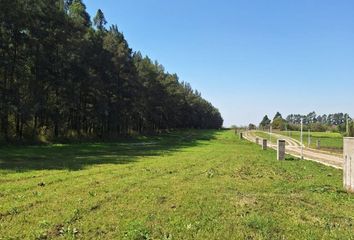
248,57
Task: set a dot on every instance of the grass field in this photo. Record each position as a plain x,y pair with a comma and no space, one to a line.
185,185
329,141
266,135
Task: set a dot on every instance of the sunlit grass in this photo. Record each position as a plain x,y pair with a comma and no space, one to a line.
266,135
328,140
185,185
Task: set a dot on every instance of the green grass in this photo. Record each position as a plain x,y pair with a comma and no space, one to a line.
266,135
185,185
329,140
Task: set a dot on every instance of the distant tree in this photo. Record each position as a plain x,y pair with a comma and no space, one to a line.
279,123
317,127
293,127
319,119
311,118
331,122
265,121
251,126
277,115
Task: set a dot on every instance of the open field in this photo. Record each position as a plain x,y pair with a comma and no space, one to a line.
185,185
329,141
266,135
293,147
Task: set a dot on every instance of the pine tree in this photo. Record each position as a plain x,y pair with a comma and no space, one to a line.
277,115
60,77
99,20
265,121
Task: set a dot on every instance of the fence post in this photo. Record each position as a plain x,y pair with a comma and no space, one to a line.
348,166
241,135
264,144
318,144
281,149
257,141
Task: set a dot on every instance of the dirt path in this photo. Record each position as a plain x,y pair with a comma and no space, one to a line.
293,147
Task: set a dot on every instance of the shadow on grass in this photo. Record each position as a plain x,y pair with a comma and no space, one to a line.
77,156
291,158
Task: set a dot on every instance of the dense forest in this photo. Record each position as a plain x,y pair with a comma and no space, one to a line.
63,74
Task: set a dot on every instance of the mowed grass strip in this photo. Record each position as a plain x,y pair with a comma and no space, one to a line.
183,185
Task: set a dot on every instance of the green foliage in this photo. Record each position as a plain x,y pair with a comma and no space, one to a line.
279,123
60,74
318,123
277,115
137,231
77,12
318,127
265,122
99,20
335,119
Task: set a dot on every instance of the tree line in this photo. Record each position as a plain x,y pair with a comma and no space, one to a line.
64,75
326,122
335,119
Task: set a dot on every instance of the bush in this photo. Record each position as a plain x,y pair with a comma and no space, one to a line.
293,127
318,127
251,126
279,123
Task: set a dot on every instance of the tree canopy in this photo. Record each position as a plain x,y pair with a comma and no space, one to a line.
61,75
265,121
277,115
